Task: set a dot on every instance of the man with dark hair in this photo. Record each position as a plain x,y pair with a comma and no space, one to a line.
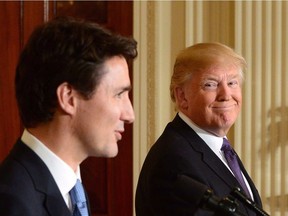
72,88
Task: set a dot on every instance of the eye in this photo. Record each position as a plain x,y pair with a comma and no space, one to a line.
210,85
122,94
233,83
119,95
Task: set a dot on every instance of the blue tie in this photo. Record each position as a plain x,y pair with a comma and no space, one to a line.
78,199
232,161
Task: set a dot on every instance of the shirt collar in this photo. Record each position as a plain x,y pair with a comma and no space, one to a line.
214,142
62,173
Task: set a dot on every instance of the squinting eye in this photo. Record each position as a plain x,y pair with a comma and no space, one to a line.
210,85
122,94
233,83
119,94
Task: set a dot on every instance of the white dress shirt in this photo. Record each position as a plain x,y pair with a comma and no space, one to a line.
62,173
214,143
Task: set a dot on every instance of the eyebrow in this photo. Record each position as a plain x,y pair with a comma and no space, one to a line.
211,77
126,88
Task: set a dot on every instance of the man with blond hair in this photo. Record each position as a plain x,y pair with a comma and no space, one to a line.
206,88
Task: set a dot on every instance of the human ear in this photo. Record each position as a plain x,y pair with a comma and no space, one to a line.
66,98
180,97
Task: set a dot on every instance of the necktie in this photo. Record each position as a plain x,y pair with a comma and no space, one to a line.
232,161
78,200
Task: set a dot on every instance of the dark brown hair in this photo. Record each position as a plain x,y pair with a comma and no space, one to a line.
64,50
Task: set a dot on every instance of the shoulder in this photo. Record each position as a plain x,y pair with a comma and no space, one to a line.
23,171
19,183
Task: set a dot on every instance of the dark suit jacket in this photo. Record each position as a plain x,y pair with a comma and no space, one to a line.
27,186
179,150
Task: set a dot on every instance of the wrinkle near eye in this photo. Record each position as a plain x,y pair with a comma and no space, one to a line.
233,83
210,85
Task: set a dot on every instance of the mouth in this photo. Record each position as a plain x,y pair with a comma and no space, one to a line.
225,107
118,134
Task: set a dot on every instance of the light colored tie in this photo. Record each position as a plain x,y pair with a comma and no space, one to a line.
78,200
232,161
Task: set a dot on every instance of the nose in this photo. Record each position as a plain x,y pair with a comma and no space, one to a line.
224,92
128,115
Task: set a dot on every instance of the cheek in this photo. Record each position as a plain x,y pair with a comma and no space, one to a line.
237,94
240,100
206,99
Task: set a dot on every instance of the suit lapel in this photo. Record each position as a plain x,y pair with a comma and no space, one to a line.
54,202
217,166
208,156
211,160
55,206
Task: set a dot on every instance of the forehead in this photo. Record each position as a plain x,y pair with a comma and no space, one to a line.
115,72
221,70
226,71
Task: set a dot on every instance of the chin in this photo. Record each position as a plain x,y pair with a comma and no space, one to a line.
112,153
105,153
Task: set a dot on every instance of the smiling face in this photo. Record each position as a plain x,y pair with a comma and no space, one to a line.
100,120
212,98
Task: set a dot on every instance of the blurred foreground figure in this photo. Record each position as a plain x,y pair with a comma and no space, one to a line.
72,83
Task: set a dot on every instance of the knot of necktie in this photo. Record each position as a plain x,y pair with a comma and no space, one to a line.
226,147
78,200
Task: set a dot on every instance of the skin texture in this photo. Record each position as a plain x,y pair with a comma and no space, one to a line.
101,119
212,98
